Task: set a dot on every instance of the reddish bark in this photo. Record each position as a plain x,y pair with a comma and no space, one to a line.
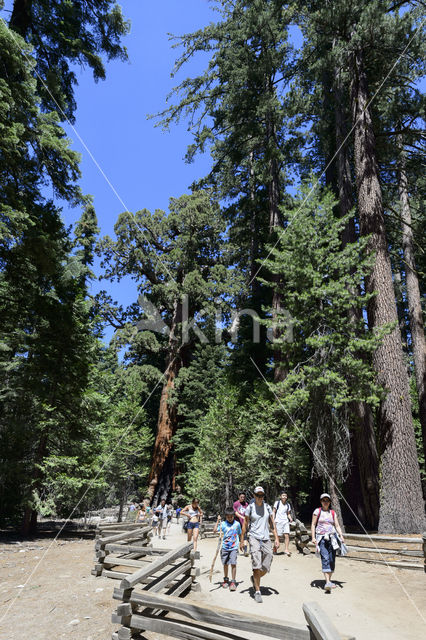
166,428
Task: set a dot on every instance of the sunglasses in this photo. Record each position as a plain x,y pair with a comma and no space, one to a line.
259,495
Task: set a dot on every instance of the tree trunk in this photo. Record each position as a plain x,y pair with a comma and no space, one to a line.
274,224
335,500
161,474
402,507
29,520
229,489
363,440
413,296
20,19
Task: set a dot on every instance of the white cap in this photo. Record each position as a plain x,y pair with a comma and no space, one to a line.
325,495
259,490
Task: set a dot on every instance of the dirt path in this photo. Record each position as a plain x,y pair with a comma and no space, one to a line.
371,602
62,600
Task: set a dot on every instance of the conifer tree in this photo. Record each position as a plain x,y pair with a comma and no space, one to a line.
63,34
326,351
179,262
236,109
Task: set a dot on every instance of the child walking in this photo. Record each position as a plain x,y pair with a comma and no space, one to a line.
231,530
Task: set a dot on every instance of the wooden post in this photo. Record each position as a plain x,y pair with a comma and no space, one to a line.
320,625
424,547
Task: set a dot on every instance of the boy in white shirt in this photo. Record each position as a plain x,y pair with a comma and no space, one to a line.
283,517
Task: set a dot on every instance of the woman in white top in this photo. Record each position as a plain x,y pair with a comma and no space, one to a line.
323,529
195,515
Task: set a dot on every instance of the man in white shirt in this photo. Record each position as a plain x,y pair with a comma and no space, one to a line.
260,519
283,517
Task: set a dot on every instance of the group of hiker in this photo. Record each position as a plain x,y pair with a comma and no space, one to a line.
248,525
253,523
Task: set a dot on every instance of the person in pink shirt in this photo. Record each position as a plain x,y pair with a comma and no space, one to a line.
240,507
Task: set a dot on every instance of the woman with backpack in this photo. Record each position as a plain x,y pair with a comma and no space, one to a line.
323,530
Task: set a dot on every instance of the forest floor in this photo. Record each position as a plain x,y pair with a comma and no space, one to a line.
62,600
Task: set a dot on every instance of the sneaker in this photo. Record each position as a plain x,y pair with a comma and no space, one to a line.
328,586
287,553
258,597
232,586
164,537
225,583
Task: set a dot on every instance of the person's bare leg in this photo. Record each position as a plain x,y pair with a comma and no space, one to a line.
225,570
286,541
189,535
196,531
233,571
257,575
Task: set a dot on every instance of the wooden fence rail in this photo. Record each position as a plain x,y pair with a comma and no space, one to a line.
120,546
207,618
173,571
395,551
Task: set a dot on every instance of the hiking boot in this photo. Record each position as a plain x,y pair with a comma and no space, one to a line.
225,583
258,597
232,586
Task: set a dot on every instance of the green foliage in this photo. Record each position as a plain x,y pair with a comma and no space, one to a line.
328,353
63,34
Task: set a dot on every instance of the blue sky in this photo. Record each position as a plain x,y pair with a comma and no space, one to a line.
144,165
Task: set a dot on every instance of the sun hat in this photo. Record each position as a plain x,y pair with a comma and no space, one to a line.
258,490
325,495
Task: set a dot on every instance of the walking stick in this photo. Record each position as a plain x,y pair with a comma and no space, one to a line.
219,544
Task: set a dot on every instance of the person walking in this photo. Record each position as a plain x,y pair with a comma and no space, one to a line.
259,517
231,532
195,515
169,517
140,513
283,517
324,529
161,511
240,506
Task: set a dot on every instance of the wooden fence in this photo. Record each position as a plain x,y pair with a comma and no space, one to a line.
119,547
395,551
146,611
172,572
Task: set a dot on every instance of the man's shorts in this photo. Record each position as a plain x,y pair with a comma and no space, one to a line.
229,556
283,527
261,553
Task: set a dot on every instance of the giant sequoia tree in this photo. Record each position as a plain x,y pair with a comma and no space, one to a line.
179,262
